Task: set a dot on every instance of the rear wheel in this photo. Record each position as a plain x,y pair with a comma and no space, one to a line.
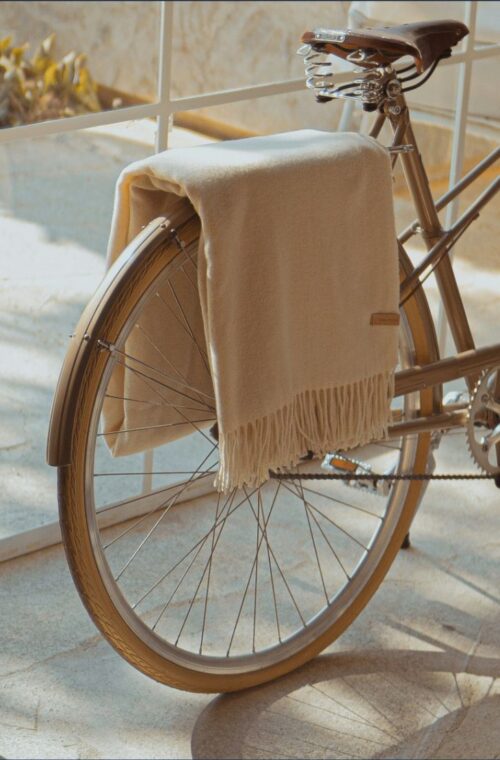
199,590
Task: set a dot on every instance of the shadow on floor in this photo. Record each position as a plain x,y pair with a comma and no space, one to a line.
65,183
377,704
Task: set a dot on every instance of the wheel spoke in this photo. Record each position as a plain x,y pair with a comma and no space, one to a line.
189,328
331,547
282,575
166,508
329,544
332,522
153,472
154,403
152,427
252,569
163,374
340,501
210,580
209,575
257,551
146,377
276,615
167,361
306,509
202,474
200,546
207,565
155,390
189,279
186,555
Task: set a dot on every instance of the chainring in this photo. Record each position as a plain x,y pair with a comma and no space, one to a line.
484,422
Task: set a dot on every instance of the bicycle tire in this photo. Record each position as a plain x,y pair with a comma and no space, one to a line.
111,611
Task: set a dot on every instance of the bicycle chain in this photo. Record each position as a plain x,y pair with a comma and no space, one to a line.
375,477
382,476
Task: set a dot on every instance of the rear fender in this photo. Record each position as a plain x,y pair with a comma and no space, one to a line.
82,342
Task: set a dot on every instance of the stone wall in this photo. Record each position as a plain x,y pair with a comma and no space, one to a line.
217,45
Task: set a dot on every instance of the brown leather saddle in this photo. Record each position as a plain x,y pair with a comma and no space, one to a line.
426,42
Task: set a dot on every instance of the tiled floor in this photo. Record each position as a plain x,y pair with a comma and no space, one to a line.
56,199
418,673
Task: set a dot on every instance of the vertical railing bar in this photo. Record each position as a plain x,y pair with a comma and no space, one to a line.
462,108
459,136
164,73
147,478
161,143
347,114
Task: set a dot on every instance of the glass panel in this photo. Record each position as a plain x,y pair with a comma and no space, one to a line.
102,41
56,200
221,45
274,113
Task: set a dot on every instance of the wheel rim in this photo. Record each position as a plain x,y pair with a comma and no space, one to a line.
210,605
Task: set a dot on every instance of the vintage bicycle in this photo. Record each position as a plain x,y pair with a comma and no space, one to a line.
207,592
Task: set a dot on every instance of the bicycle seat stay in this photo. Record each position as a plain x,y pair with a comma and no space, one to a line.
425,41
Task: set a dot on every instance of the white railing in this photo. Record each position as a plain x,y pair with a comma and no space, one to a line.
458,147
166,106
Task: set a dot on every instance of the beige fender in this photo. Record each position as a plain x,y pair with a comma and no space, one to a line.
82,342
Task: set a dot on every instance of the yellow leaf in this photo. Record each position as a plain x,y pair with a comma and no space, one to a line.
47,44
68,69
86,90
69,58
17,53
67,76
51,76
41,63
44,86
84,79
42,58
89,99
5,44
80,60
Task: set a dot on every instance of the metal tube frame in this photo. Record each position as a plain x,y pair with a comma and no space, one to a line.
469,361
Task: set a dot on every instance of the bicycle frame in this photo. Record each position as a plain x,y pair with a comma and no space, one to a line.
469,360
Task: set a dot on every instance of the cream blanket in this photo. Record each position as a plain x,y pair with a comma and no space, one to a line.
297,255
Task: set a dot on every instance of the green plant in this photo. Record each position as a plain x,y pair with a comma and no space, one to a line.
43,88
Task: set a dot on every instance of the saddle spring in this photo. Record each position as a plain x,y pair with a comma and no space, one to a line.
369,89
317,70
